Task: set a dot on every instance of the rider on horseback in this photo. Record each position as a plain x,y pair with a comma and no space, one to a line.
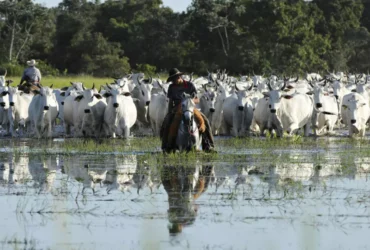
31,74
172,121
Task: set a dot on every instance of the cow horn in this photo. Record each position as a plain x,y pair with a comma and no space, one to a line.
269,85
191,76
284,85
93,87
109,87
236,87
205,87
5,72
309,82
51,86
296,80
137,77
250,88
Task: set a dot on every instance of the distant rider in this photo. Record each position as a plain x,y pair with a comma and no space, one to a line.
31,74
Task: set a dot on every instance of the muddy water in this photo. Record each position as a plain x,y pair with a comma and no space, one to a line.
301,198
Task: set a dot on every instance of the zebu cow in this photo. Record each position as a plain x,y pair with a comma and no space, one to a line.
4,107
120,114
19,103
158,109
355,113
326,111
91,110
62,94
188,136
289,112
207,102
43,111
142,92
261,116
217,116
234,116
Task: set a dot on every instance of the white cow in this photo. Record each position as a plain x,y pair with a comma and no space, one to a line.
326,110
90,115
19,103
233,113
142,93
207,102
70,110
62,94
217,116
355,113
43,111
158,109
120,114
289,112
4,107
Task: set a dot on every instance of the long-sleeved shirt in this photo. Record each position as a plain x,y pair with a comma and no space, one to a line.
175,93
31,74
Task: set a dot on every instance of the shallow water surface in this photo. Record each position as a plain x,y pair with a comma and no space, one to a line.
307,195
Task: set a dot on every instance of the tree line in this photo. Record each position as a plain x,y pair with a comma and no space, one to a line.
243,36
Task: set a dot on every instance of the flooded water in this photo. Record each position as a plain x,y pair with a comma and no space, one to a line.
248,197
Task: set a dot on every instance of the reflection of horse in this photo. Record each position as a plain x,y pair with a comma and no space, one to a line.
188,136
43,171
183,186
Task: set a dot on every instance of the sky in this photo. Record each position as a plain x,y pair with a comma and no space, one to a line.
176,5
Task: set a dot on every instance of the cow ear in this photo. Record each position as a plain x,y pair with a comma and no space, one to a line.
353,90
193,95
288,96
4,93
64,88
309,93
63,94
78,98
266,94
98,96
290,87
106,95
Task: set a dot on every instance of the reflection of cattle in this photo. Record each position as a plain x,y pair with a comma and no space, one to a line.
84,173
120,177
43,171
183,186
129,173
15,170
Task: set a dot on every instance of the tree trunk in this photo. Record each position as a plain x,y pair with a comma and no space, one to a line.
12,42
222,41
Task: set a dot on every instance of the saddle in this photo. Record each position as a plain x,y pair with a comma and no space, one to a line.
28,87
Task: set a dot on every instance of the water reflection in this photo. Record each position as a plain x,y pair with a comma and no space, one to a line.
184,185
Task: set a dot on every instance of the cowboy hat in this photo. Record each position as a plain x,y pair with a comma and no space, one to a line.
31,63
174,73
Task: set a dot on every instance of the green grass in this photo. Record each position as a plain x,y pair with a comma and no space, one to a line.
63,81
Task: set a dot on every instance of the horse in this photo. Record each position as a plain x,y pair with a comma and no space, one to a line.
188,136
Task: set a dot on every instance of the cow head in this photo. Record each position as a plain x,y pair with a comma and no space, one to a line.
275,95
355,107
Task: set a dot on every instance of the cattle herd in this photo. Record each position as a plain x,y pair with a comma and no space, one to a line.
236,106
